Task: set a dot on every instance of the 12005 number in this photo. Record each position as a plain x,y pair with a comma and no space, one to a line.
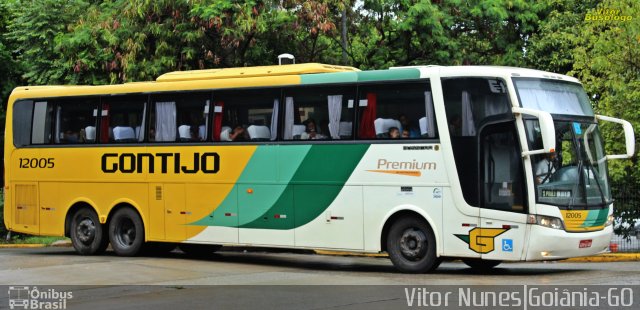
36,163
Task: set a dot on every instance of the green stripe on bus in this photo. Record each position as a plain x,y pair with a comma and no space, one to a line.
268,165
329,78
315,185
596,218
361,76
387,75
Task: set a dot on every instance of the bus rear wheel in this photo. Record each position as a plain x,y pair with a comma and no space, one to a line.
412,246
481,264
126,232
88,236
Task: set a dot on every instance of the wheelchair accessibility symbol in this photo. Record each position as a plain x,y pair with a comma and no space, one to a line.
507,245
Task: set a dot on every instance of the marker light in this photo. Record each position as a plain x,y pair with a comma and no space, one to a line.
609,221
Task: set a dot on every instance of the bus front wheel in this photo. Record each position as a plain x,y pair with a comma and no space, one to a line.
88,236
412,246
126,232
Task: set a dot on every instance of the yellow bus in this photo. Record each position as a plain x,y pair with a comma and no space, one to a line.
428,163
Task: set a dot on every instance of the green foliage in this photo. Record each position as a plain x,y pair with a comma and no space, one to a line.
607,61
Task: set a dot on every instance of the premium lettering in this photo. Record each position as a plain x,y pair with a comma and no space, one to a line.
406,165
141,162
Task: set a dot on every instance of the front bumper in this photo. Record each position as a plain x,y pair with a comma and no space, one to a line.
553,244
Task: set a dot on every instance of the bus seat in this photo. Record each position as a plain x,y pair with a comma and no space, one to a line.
202,132
382,126
423,126
124,134
298,130
90,133
184,131
259,133
344,130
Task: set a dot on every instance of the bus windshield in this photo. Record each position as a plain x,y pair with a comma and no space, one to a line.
576,174
555,97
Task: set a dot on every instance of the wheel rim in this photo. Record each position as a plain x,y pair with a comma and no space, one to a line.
413,244
125,232
86,230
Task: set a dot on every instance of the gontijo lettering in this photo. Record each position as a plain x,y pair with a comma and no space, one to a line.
137,163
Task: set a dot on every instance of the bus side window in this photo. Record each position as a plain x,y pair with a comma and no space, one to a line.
22,111
123,119
396,111
74,117
319,113
246,115
181,117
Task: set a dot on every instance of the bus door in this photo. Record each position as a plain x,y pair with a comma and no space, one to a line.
503,210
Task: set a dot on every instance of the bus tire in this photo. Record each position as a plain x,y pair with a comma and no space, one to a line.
481,264
411,245
88,236
126,232
199,250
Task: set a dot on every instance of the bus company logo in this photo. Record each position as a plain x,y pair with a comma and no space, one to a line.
607,15
23,297
482,240
412,168
169,163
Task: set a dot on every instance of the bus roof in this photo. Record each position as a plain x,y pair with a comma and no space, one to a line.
265,76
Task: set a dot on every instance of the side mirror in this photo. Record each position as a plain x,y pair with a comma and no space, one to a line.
629,137
547,130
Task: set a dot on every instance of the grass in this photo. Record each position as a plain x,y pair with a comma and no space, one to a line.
26,239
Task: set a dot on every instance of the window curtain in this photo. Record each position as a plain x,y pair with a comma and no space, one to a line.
166,121
431,127
104,123
552,101
140,132
494,105
217,121
335,113
205,136
366,128
288,119
274,119
468,125
58,126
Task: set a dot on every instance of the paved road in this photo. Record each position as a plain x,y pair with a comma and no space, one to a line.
165,282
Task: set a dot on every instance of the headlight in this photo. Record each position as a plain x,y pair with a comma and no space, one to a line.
546,221
609,221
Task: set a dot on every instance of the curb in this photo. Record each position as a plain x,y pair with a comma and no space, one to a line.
608,257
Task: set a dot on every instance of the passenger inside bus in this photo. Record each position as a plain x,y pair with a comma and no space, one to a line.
394,133
311,132
408,126
405,134
238,133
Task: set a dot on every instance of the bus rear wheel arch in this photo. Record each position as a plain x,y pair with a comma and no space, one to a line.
411,244
126,231
88,236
